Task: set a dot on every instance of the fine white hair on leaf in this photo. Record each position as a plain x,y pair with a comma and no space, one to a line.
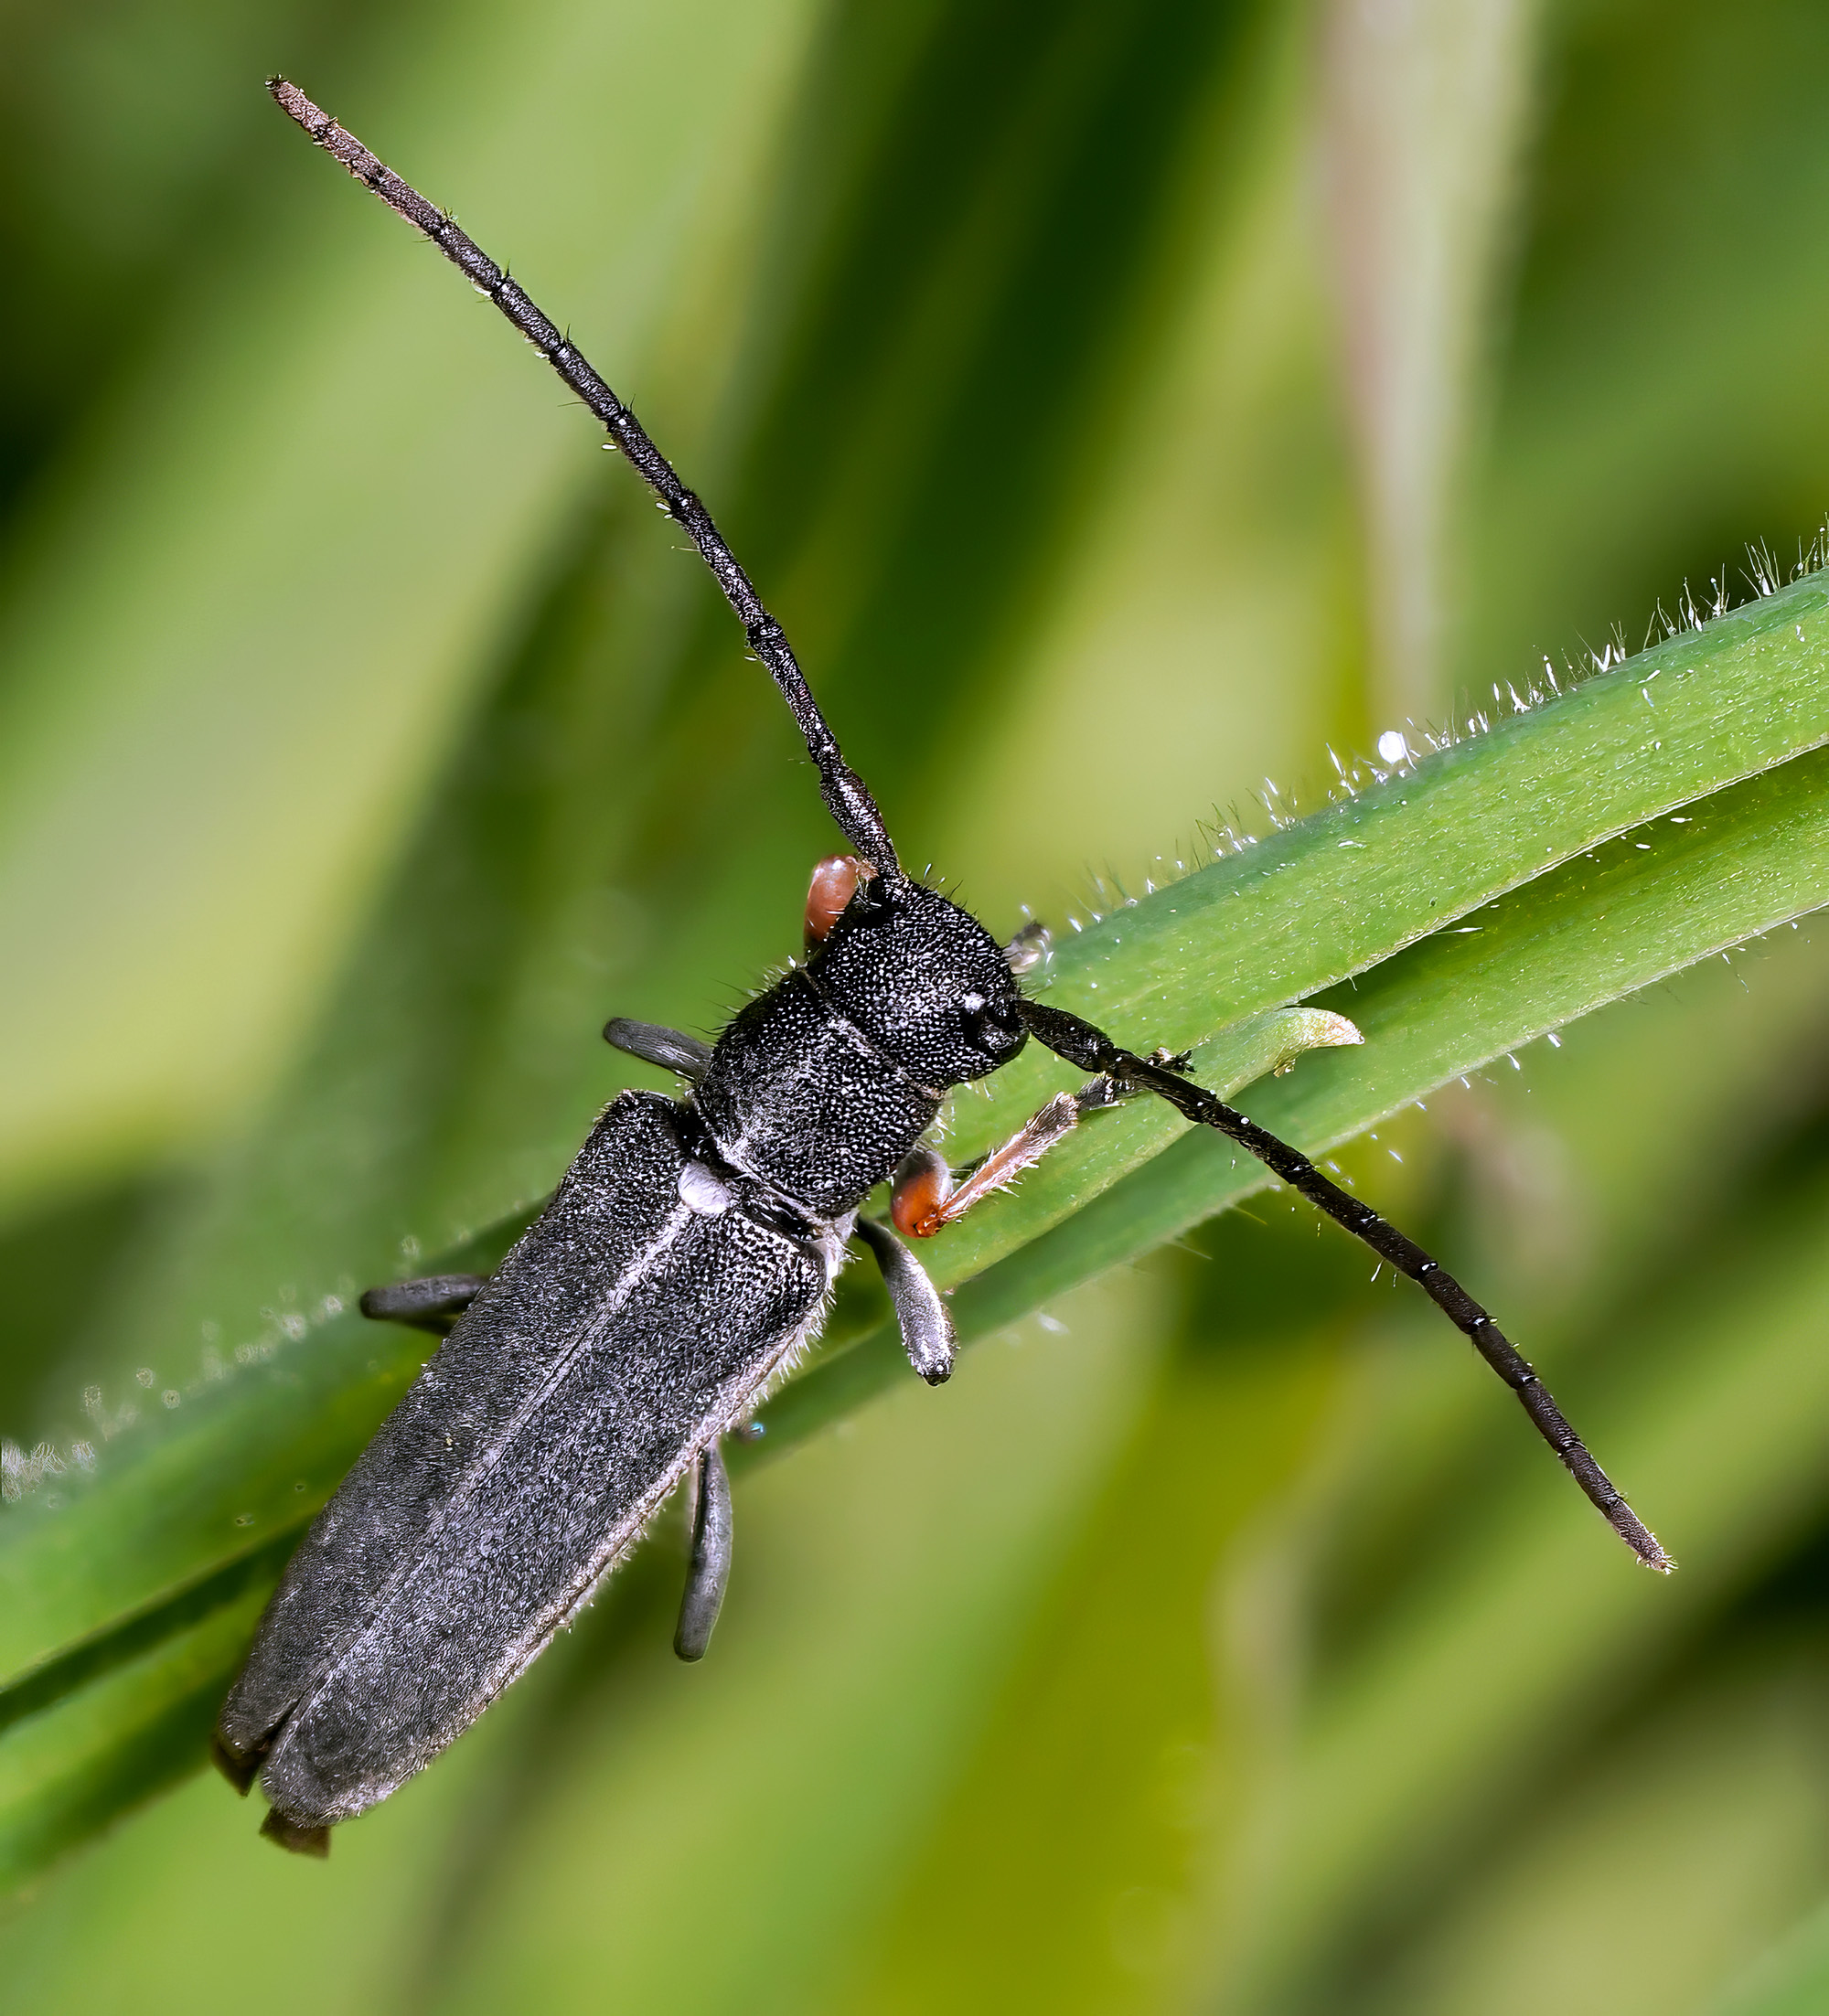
1228,834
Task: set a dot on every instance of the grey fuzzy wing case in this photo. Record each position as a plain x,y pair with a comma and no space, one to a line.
622,1332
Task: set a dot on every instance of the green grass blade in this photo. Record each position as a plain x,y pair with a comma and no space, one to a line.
72,1768
1743,862
1333,894
239,1466
1792,1980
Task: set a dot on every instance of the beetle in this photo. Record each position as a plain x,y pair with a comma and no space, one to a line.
686,1259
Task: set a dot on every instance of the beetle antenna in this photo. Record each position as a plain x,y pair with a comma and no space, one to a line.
1090,1048
849,801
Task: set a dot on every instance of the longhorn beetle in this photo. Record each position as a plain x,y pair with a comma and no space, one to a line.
685,1259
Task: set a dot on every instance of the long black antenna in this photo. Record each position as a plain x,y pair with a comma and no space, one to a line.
850,804
1091,1049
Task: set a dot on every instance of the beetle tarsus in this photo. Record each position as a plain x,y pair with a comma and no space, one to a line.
708,1575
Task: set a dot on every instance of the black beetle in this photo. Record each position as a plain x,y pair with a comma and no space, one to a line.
686,1259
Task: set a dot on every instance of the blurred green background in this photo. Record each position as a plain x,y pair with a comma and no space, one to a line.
1117,404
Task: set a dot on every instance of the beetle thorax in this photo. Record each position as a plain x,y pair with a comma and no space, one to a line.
823,1084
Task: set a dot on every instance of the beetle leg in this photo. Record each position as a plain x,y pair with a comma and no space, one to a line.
672,1049
924,1197
709,1572
435,1302
925,1322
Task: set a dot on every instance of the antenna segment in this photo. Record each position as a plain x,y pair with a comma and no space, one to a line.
849,801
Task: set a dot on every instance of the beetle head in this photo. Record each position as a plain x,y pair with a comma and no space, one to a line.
920,977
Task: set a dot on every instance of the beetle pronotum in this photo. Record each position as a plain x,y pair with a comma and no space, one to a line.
686,1257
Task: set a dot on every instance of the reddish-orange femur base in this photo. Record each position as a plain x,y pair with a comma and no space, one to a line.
831,889
923,1184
